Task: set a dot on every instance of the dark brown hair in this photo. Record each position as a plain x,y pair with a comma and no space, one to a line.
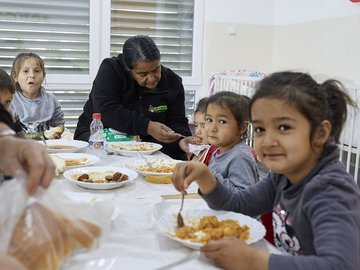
6,82
237,104
317,102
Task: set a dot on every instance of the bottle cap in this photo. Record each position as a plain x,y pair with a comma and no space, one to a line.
96,116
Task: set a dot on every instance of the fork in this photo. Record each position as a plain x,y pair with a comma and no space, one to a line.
146,160
180,220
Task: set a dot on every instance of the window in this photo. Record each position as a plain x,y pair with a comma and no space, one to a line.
74,36
169,23
56,30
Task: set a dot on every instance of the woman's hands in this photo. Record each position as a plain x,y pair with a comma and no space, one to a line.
162,133
233,253
187,172
29,156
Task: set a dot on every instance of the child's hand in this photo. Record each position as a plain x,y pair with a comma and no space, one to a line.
187,172
184,144
233,253
56,136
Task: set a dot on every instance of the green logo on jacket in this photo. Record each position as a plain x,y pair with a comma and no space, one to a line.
158,109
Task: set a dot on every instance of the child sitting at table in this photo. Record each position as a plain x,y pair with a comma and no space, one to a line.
7,90
34,107
198,146
315,202
226,123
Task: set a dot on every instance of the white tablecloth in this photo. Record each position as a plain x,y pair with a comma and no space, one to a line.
133,241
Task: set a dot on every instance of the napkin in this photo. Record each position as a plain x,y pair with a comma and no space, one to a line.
197,148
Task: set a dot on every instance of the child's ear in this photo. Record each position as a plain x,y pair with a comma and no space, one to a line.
243,127
322,133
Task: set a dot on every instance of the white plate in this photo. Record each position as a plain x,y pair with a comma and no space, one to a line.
100,169
88,159
141,167
132,147
167,224
74,144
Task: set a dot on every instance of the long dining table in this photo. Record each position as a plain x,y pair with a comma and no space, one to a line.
133,241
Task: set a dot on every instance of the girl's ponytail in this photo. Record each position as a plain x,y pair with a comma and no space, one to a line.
337,100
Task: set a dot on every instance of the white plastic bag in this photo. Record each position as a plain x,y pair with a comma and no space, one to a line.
43,230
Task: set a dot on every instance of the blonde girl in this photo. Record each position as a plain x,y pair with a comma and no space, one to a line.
32,105
315,202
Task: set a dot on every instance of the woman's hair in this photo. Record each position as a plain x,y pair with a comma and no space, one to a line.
201,106
6,82
139,48
237,104
18,62
317,102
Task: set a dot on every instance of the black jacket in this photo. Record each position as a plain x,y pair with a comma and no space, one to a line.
128,107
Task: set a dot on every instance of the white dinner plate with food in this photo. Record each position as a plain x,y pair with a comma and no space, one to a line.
130,148
167,225
65,146
74,160
97,177
159,166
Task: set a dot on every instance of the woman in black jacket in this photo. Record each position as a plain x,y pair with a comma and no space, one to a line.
136,95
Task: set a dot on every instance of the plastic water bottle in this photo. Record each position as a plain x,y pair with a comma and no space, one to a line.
96,140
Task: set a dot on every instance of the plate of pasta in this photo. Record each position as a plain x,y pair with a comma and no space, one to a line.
204,225
130,148
74,160
159,166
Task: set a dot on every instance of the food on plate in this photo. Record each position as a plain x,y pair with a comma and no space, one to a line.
134,147
60,164
76,162
210,228
42,239
158,166
158,179
61,146
100,177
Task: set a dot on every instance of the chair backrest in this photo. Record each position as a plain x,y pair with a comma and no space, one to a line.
350,137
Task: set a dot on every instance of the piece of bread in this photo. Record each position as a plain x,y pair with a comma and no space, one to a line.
60,164
158,179
43,240
197,139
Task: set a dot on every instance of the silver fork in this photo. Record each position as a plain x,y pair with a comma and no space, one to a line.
180,220
146,160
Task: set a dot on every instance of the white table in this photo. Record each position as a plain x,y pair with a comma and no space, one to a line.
133,242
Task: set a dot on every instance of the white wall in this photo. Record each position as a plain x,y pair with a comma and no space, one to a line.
315,36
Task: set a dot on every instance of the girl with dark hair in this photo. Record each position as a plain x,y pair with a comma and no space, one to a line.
314,201
136,95
226,123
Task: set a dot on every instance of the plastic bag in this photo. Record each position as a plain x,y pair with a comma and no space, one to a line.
43,230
